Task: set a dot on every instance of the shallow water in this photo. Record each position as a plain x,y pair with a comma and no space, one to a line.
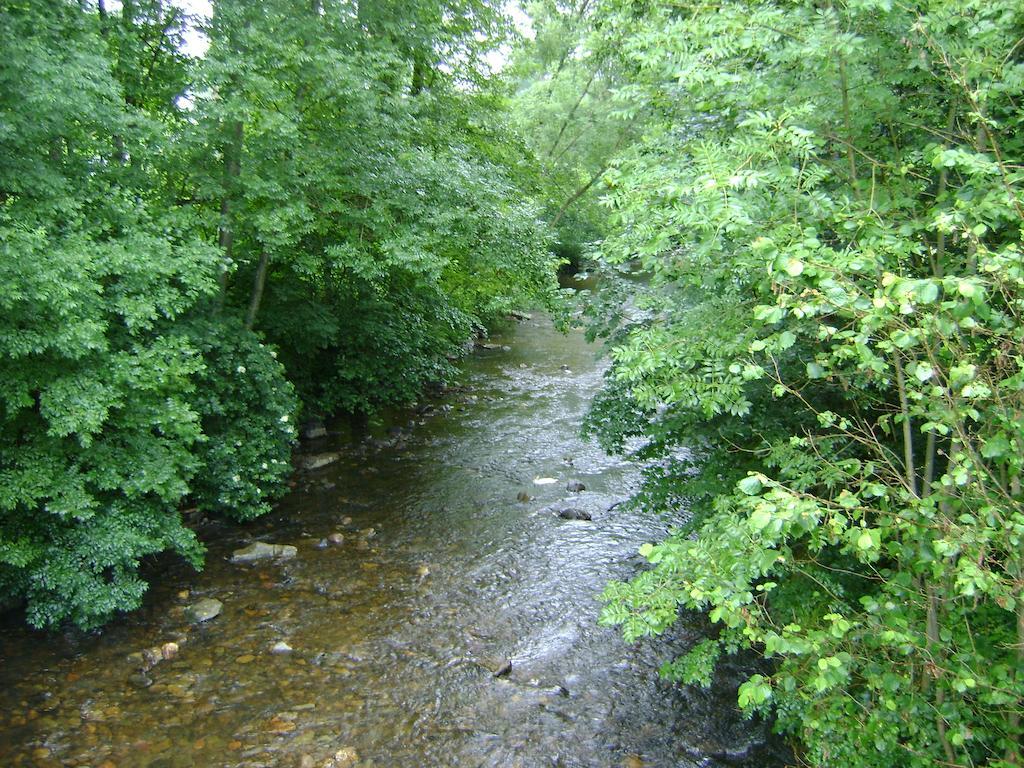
396,636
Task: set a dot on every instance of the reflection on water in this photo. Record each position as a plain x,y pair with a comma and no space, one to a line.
401,636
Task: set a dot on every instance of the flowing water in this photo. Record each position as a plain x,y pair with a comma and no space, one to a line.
401,636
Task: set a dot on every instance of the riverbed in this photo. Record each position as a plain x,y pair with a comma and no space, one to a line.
452,622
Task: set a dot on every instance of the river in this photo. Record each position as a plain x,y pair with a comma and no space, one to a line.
397,633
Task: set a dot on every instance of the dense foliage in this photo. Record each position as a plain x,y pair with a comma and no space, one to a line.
829,379
332,180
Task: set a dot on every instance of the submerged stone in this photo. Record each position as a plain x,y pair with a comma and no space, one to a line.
260,550
317,460
574,513
203,610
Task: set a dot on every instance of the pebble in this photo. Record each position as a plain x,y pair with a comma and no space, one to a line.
281,647
203,610
169,650
368,533
140,680
245,658
575,513
343,758
278,725
346,520
336,538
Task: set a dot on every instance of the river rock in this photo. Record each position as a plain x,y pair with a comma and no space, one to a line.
314,430
260,550
575,486
524,497
336,538
544,481
140,680
280,647
498,667
169,650
151,657
317,460
574,513
343,758
203,610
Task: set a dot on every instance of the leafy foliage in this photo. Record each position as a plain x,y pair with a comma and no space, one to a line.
333,179
829,208
247,411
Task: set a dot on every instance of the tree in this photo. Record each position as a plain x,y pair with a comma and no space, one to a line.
829,205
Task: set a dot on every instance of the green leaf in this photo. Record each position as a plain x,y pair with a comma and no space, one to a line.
760,518
750,485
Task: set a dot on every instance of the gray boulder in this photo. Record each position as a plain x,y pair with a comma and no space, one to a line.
260,550
203,610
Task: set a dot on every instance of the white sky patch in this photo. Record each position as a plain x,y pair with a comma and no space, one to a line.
199,12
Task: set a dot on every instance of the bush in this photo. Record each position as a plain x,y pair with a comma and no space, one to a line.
247,411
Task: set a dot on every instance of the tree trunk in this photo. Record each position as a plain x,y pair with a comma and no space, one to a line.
232,170
419,73
576,106
258,284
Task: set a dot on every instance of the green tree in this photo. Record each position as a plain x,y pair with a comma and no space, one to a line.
102,428
829,206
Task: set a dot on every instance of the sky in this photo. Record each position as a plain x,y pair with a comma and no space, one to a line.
195,41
